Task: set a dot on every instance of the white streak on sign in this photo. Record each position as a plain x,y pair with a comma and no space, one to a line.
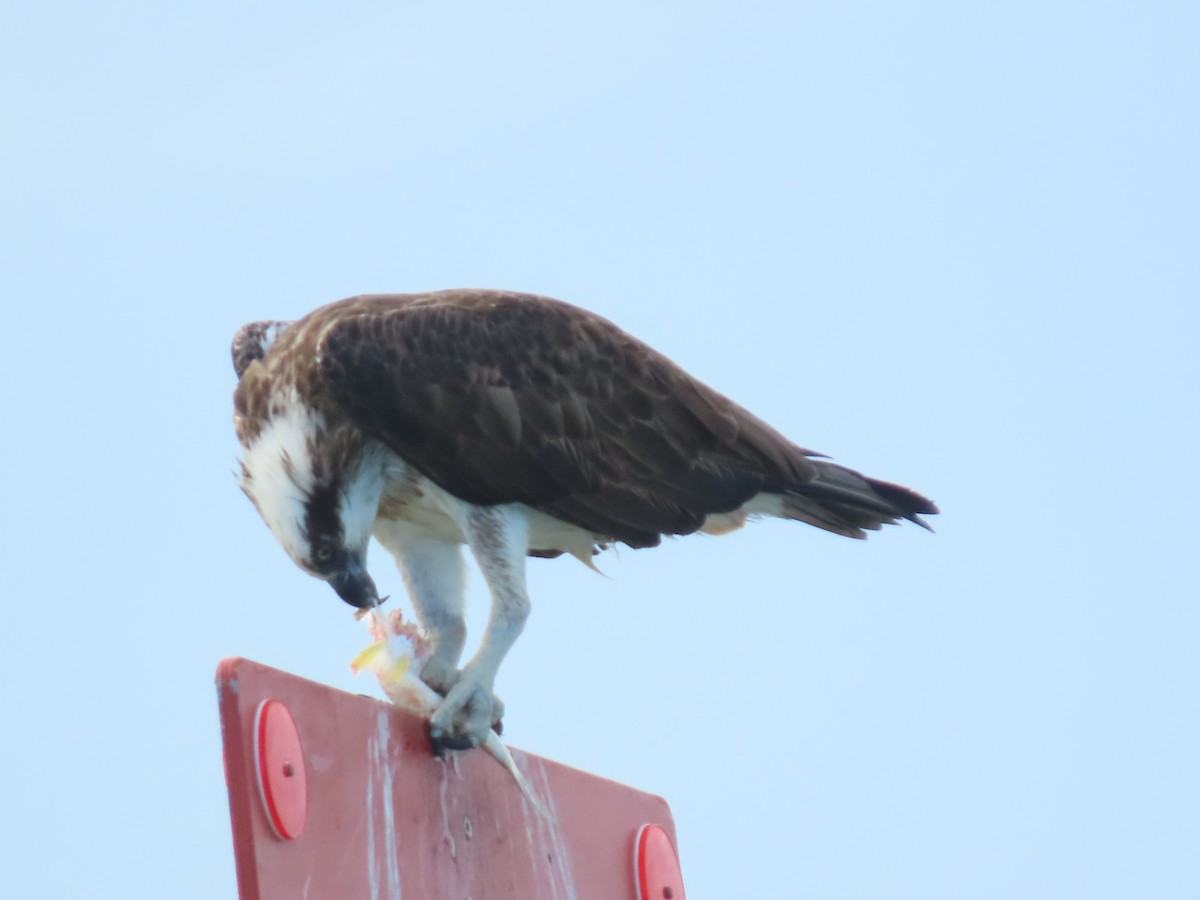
444,804
379,769
548,853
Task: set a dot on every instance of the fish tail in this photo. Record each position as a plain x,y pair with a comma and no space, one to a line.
496,747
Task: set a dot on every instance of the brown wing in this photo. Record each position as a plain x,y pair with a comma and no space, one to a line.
502,398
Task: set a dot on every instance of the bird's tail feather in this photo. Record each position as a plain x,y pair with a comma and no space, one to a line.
846,502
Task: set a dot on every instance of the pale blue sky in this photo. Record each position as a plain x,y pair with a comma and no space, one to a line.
953,245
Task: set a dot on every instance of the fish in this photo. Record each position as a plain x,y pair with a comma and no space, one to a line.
395,657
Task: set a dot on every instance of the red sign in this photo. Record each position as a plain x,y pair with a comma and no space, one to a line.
335,796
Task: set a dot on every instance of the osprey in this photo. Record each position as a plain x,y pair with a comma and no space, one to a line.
515,425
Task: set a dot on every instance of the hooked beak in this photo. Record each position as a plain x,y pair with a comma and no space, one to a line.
354,585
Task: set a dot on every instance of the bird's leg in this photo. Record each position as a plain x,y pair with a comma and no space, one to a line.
433,573
498,538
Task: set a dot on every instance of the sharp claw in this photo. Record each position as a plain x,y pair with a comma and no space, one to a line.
441,742
466,716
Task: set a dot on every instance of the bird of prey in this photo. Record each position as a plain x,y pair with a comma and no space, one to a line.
513,424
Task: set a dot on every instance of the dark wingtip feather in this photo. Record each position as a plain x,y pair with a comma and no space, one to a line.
917,520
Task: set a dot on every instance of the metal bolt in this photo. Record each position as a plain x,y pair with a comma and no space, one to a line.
288,770
668,892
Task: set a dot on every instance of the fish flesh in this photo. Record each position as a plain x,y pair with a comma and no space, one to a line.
395,658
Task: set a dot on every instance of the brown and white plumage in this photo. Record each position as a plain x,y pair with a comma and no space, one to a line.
516,425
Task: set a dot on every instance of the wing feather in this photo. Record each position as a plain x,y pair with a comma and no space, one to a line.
502,398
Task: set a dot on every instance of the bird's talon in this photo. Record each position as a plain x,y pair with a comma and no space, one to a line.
467,715
442,743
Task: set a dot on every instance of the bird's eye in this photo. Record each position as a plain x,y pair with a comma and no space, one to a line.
324,553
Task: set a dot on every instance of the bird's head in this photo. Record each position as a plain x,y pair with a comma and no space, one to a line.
318,490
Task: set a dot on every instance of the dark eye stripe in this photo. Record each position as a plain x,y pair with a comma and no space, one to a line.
322,525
